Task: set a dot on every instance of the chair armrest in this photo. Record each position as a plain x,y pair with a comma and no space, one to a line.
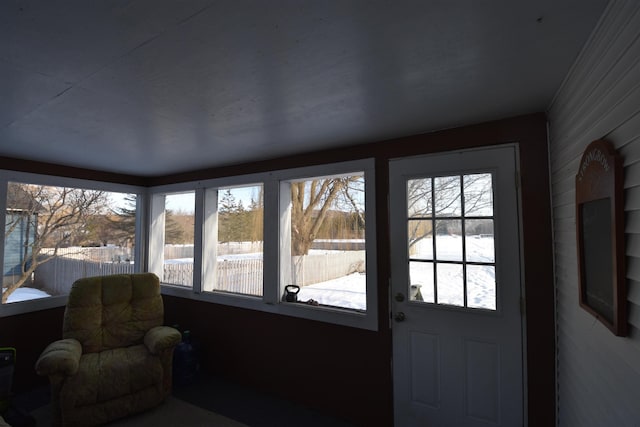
161,338
61,357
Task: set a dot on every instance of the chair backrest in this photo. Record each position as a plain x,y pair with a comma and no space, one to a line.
114,311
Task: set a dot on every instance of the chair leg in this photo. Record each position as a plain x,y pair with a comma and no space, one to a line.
56,411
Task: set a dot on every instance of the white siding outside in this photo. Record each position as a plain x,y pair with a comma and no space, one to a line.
598,374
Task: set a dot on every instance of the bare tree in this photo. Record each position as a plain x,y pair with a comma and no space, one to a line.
49,217
312,200
444,197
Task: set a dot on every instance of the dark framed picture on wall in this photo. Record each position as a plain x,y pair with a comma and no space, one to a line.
600,235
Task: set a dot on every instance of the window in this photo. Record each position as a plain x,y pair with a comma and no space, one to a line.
172,249
56,234
451,240
233,257
327,254
324,252
257,236
240,240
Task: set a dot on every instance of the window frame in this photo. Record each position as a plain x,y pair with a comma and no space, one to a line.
7,176
273,261
369,318
154,233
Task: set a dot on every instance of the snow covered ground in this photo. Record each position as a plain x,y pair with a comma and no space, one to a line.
25,294
346,292
350,291
481,282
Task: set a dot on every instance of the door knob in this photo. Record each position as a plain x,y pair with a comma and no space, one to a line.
399,297
399,317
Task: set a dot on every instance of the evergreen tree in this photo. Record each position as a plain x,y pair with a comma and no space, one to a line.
124,222
173,232
227,216
255,215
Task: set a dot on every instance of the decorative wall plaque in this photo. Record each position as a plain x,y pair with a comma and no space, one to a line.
600,233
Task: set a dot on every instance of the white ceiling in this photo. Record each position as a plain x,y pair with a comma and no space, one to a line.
155,87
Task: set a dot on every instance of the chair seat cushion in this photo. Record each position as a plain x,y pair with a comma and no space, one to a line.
110,374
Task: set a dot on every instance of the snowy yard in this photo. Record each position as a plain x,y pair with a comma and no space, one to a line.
346,292
25,294
350,291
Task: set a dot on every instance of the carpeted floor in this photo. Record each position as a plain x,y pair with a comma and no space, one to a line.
252,407
236,403
173,412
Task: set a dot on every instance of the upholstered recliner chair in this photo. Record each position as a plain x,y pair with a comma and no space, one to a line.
115,357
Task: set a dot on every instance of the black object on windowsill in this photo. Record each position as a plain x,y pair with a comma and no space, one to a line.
291,293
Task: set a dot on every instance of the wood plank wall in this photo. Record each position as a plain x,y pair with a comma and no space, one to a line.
598,374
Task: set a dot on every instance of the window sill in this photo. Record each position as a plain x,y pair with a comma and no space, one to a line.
351,318
23,307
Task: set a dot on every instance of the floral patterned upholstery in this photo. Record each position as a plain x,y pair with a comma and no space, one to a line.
115,356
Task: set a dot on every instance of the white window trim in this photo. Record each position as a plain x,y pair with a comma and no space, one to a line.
368,319
7,176
147,239
272,275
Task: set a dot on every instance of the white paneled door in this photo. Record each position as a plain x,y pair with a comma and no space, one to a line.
456,289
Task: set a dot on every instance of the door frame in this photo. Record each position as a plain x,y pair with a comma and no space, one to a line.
521,258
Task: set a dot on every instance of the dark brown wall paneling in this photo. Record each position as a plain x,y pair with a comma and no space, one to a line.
373,389
346,371
20,165
30,334
343,371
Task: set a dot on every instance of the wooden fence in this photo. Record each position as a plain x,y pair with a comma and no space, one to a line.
310,269
57,276
97,254
244,276
237,276
123,254
228,248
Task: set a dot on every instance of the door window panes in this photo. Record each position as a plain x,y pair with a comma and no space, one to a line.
447,196
421,281
478,195
450,284
450,223
419,200
481,286
421,239
479,240
449,245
